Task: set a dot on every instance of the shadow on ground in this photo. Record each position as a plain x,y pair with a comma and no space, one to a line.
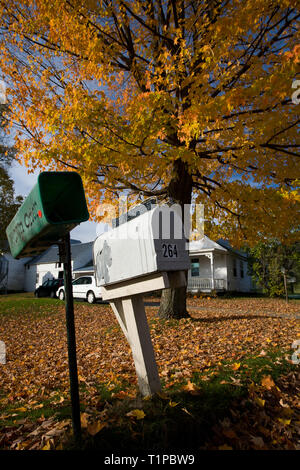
186,422
219,412
151,304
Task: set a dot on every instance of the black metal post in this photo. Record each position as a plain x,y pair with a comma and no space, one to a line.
65,256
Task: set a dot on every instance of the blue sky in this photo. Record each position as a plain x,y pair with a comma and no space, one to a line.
25,181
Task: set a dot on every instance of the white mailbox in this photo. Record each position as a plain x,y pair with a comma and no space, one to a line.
150,243
146,252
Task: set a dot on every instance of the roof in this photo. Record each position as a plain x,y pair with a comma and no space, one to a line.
51,255
84,269
221,246
205,244
227,245
74,242
88,267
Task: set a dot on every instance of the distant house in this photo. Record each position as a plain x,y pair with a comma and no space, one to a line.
215,266
26,274
12,272
47,265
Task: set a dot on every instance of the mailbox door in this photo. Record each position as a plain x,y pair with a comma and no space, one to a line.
169,240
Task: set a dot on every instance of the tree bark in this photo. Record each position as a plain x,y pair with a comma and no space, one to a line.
173,301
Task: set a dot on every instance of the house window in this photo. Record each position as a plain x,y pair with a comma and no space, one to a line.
37,278
234,268
195,270
242,268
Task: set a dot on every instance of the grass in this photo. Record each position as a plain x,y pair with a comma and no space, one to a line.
179,419
17,307
188,413
20,303
46,411
168,414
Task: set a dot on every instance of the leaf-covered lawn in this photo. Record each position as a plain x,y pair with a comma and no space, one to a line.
227,370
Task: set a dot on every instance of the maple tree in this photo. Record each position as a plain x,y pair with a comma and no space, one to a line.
178,99
266,262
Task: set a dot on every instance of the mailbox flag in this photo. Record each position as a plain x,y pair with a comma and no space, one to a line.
55,205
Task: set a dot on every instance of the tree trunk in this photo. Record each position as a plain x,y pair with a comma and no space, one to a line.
173,301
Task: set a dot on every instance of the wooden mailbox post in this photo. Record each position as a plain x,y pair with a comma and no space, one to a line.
135,258
55,205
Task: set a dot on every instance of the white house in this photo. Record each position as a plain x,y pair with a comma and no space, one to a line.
214,266
217,266
26,274
47,265
12,273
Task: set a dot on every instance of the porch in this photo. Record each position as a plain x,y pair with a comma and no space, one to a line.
208,269
196,284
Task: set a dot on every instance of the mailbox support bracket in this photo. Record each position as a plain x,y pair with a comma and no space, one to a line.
127,303
151,282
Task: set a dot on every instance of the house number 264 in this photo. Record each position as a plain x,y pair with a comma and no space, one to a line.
169,250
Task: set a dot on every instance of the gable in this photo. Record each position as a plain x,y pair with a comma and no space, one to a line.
51,255
205,244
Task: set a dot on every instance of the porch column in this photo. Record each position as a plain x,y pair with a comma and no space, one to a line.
212,270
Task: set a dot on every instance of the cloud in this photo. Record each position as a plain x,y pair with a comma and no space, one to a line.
85,232
24,182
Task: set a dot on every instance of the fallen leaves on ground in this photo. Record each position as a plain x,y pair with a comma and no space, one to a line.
36,374
191,388
263,423
138,414
267,382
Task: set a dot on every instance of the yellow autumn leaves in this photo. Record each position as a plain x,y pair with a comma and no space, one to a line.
119,95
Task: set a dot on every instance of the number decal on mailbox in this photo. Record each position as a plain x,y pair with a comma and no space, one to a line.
169,250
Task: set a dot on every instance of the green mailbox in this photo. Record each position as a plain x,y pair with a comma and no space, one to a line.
55,205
